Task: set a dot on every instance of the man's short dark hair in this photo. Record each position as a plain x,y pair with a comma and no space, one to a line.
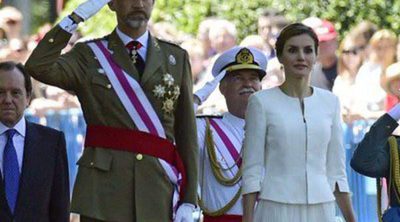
10,65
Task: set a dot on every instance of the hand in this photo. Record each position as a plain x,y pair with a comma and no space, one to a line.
184,213
203,93
89,8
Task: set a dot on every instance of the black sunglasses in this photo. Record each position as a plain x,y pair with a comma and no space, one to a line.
353,51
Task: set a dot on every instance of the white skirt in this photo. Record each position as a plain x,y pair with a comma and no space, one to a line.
270,211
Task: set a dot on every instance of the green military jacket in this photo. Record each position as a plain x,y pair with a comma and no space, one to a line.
115,185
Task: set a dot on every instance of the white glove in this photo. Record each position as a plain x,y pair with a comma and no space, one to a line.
89,8
208,88
394,112
185,213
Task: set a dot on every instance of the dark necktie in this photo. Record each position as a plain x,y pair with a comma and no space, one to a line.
137,60
11,170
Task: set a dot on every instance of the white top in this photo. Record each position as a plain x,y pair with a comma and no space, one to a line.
143,39
215,195
371,94
18,140
303,157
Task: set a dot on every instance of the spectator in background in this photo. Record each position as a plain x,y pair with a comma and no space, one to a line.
16,50
364,30
12,20
381,54
168,32
222,35
197,58
203,34
255,41
325,71
391,84
270,23
349,62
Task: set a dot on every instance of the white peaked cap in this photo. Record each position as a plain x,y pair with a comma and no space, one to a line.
240,57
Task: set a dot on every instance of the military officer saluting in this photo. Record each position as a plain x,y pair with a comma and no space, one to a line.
239,72
140,158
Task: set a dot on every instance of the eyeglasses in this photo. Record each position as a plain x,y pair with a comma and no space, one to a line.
353,51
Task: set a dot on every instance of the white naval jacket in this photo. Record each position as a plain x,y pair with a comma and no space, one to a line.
303,156
214,194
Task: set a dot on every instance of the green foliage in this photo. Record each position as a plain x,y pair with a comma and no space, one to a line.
187,14
40,14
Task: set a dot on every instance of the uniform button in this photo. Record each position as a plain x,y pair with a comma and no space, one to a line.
91,163
139,156
100,71
51,40
388,127
109,86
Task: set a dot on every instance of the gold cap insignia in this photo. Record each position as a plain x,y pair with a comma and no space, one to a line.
244,56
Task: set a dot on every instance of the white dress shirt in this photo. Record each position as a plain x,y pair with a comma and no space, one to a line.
18,140
213,194
143,39
303,155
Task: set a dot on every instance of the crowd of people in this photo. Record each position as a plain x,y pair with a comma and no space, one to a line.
269,115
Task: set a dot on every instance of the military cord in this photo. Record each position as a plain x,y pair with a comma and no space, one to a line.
215,166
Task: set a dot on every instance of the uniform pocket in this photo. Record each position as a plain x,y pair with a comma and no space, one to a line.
96,158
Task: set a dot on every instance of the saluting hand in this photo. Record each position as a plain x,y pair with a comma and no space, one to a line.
90,8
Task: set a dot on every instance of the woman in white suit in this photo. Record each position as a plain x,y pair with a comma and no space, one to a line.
294,159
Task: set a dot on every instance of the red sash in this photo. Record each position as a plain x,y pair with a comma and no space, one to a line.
223,218
137,142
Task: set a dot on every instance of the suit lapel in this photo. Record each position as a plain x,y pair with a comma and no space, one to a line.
121,56
153,59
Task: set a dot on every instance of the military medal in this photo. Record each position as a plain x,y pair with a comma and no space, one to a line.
172,60
167,92
134,54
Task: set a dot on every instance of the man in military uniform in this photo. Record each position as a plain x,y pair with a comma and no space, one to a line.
239,71
136,96
377,156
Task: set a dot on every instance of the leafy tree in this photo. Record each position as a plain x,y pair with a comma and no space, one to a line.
187,14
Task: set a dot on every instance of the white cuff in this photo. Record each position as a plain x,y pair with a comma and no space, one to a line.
68,25
395,112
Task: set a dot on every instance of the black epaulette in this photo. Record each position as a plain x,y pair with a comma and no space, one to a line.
209,116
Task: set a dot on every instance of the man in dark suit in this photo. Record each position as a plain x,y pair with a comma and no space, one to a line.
34,184
136,95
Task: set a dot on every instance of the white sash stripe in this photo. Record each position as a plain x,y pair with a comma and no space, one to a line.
129,107
221,147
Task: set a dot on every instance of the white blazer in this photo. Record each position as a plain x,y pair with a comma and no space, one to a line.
291,158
